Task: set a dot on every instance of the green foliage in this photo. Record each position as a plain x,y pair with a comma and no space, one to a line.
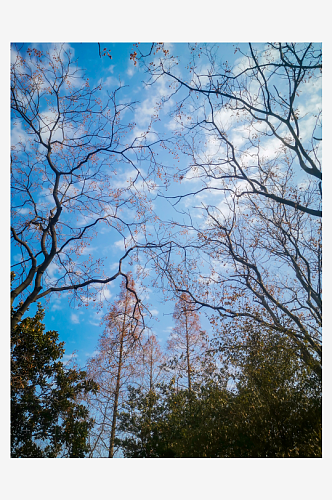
280,399
275,411
47,420
141,424
170,423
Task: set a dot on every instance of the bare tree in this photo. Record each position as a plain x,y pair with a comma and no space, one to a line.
70,147
237,112
251,246
113,368
188,343
152,363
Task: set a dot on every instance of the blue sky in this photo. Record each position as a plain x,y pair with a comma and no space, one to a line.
80,327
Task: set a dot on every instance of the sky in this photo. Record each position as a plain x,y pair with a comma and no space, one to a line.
80,327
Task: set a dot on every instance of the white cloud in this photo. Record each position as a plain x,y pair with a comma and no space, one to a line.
18,134
114,266
69,357
201,78
120,244
110,81
88,250
172,124
23,211
126,243
124,179
106,294
74,318
240,64
56,307
53,270
144,112
131,70
94,353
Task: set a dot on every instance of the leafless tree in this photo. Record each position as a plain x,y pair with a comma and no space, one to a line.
230,118
251,246
115,365
73,168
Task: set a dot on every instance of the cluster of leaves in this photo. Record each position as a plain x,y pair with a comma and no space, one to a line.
275,411
47,419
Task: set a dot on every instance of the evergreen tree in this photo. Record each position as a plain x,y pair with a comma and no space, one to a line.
278,401
47,419
273,411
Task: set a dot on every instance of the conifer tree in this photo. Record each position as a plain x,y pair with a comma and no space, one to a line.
188,344
114,367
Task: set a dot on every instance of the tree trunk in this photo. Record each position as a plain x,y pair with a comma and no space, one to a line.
116,402
188,354
117,389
